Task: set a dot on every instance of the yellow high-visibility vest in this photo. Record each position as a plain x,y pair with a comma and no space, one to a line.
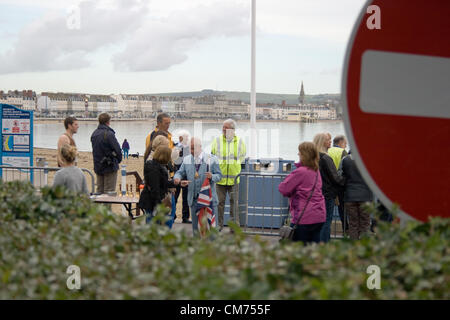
336,154
230,154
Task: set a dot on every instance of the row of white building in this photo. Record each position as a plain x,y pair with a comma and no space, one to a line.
25,99
139,106
50,104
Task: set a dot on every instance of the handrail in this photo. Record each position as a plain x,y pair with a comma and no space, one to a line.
136,175
46,169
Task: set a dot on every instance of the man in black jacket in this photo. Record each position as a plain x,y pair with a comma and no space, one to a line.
357,193
107,154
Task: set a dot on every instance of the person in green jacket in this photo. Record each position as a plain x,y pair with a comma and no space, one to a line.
231,151
337,153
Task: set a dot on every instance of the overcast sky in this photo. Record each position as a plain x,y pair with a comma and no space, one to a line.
132,46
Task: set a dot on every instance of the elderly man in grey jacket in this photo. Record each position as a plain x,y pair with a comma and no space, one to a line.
194,169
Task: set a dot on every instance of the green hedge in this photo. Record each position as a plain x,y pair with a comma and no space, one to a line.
42,234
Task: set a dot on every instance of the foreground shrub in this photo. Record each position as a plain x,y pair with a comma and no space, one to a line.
42,234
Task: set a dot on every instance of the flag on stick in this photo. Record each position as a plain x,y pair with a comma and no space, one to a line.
205,213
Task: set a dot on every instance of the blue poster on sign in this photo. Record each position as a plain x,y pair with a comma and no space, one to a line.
16,129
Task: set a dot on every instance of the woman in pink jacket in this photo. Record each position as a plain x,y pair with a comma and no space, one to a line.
303,186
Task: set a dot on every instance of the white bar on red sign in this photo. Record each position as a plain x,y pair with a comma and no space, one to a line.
405,84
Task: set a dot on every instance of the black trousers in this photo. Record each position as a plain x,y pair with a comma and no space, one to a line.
341,211
184,192
308,233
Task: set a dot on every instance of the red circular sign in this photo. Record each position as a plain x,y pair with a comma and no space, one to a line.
396,101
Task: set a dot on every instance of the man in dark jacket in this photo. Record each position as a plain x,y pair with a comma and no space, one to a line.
107,154
337,153
356,194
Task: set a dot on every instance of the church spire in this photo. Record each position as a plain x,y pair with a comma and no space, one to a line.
301,97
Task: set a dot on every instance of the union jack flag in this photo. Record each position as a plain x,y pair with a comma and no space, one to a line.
205,208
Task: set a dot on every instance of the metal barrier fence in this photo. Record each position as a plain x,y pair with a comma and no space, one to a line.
42,176
262,209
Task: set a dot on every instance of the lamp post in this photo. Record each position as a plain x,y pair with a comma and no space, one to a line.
86,112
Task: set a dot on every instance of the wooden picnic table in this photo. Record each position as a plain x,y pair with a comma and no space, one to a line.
126,201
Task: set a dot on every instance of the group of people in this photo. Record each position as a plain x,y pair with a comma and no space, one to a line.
69,176
326,176
170,169
106,152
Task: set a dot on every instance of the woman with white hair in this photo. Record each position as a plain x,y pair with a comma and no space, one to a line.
182,148
184,137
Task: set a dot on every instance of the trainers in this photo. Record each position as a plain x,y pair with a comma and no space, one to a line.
187,221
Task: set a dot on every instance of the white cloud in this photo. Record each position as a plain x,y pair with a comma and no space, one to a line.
328,20
48,44
154,39
40,3
164,42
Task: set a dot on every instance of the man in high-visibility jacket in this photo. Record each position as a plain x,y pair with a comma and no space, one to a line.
231,151
162,124
337,153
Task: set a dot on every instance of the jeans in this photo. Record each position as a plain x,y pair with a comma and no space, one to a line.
125,153
149,214
342,213
326,228
307,233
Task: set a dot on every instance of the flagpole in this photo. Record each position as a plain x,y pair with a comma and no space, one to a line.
253,86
